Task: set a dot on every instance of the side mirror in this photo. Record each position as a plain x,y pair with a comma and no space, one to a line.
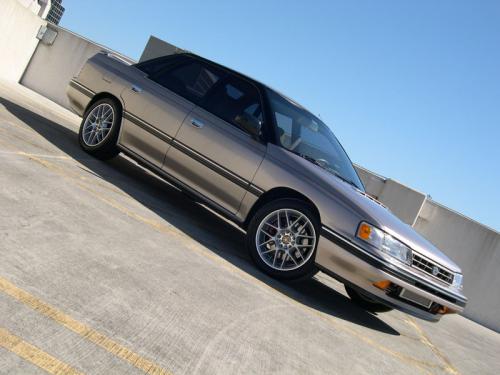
249,123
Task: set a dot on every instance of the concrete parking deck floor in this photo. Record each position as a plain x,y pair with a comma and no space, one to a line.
105,269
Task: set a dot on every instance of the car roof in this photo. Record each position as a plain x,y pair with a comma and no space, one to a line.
264,86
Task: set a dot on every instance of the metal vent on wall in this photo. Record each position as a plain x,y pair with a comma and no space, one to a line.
46,35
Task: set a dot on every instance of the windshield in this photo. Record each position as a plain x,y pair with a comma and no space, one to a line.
302,133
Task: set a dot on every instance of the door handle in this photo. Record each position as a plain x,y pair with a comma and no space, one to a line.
197,123
136,88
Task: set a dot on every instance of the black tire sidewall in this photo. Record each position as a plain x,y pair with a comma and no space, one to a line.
108,148
306,270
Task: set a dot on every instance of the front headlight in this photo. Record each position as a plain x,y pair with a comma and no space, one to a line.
384,242
458,280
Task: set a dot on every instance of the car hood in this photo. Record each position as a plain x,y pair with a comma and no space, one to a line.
374,212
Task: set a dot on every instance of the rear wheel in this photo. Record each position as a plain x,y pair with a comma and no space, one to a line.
366,302
282,239
99,129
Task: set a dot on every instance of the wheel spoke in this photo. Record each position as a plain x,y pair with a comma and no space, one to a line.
283,261
272,226
296,221
302,228
275,256
269,251
106,119
266,242
300,253
94,134
267,234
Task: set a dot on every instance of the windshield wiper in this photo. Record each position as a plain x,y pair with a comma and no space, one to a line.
337,174
308,158
321,165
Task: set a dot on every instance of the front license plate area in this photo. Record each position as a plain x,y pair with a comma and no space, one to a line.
415,298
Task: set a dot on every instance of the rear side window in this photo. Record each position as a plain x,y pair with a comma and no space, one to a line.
156,66
232,98
191,80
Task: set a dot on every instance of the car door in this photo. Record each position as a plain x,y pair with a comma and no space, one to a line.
211,153
155,105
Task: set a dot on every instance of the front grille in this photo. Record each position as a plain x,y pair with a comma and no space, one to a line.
432,269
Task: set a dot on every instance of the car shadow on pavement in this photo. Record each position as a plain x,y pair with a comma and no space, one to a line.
194,220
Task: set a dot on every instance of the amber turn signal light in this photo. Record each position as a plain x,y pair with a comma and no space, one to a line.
384,284
364,231
445,310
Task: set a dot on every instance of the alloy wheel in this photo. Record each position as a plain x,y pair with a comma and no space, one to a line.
285,239
98,124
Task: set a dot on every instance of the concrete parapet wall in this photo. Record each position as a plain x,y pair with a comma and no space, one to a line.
476,249
157,48
473,246
18,29
403,201
53,65
374,184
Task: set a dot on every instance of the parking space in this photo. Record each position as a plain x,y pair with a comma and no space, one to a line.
104,268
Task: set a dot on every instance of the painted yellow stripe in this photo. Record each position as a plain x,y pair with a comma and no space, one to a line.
421,365
448,366
34,355
81,329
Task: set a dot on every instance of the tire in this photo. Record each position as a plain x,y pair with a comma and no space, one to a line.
99,129
365,302
294,240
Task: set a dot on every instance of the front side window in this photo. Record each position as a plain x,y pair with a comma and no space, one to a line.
302,133
232,98
192,80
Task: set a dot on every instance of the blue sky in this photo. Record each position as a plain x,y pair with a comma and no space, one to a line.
411,88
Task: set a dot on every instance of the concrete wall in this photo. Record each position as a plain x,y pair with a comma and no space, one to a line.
39,7
53,65
473,246
403,201
476,249
18,29
157,47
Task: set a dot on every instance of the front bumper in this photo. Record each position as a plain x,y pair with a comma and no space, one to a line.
359,268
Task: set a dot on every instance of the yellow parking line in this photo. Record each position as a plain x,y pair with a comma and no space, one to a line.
81,329
34,355
421,365
426,341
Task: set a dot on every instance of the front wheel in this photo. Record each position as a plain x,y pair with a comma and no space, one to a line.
98,133
282,238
